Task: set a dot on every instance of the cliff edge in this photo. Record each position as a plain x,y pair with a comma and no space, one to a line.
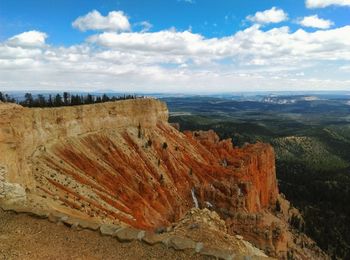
123,163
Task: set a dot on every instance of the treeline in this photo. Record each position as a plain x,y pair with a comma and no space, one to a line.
6,98
58,100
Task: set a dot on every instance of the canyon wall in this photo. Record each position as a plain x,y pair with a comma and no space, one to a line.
23,130
123,163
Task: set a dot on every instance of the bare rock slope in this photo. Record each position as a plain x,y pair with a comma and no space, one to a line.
123,163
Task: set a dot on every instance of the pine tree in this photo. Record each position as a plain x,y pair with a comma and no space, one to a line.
89,99
28,100
105,98
40,101
49,101
66,97
58,101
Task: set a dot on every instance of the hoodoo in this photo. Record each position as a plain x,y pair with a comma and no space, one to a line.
123,163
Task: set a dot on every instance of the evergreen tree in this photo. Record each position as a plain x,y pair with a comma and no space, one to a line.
66,97
98,99
105,98
50,101
28,99
58,101
89,99
41,101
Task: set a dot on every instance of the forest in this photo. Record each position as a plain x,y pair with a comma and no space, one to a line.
312,145
58,100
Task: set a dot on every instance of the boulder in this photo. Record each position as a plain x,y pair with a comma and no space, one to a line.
88,225
108,230
151,238
218,253
128,234
181,243
12,194
53,218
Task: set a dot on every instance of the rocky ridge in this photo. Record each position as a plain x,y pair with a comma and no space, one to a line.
122,164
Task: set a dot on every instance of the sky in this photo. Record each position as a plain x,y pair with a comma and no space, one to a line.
181,46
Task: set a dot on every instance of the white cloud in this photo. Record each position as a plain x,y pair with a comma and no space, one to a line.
163,41
251,46
114,21
326,3
170,60
28,39
315,22
273,15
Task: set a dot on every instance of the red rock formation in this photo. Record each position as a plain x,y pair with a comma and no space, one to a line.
250,171
113,164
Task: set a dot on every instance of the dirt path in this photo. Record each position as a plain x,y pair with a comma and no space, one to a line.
26,237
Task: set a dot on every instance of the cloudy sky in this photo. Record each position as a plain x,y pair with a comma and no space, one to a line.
174,45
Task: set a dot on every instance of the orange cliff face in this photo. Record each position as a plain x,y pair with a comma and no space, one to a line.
122,162
250,171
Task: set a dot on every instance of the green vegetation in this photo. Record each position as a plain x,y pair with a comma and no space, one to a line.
312,144
67,99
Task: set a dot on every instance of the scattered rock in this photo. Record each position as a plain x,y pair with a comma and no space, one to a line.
64,219
181,243
13,194
54,218
108,230
151,238
141,235
218,253
128,234
88,225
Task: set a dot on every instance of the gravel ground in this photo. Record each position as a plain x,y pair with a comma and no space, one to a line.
26,237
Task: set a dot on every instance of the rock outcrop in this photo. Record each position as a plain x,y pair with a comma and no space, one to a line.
123,163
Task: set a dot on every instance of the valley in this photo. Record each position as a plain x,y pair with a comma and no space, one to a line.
311,139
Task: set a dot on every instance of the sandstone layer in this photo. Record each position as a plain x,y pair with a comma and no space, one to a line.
123,163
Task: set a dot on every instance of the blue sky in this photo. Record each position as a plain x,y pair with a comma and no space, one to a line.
207,17
175,45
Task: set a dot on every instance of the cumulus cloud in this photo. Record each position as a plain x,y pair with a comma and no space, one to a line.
315,22
273,15
170,60
250,46
326,3
114,21
28,39
163,41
